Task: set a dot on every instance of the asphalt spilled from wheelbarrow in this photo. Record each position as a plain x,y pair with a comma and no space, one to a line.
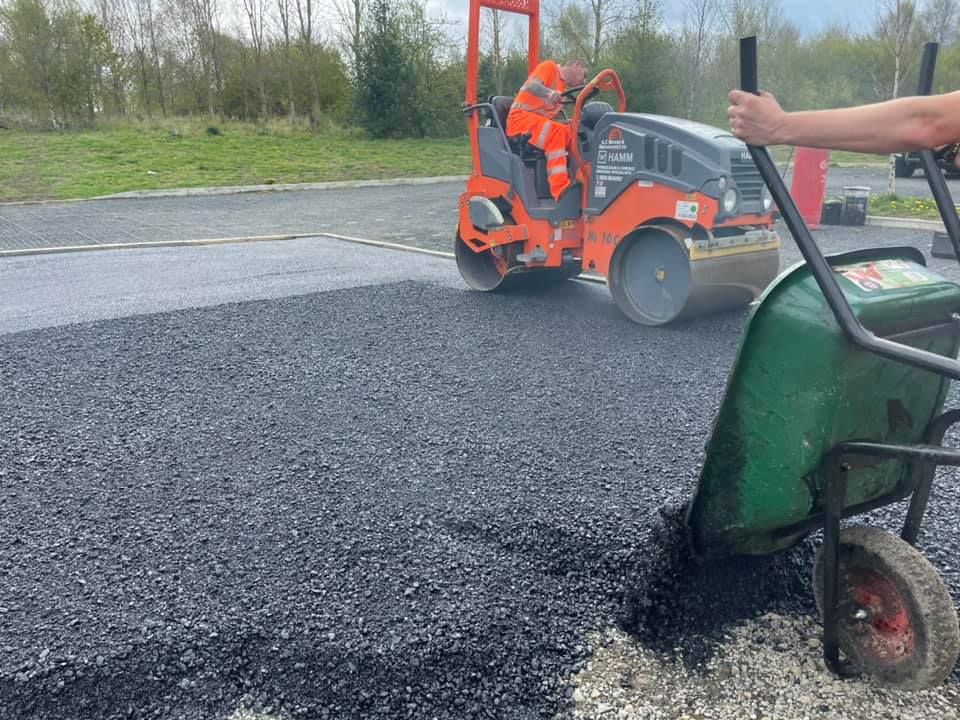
398,501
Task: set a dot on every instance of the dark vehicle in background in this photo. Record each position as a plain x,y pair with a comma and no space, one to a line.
906,164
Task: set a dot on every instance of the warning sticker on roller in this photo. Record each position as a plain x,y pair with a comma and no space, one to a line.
686,210
886,275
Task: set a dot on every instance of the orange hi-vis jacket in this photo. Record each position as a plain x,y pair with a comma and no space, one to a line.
532,114
535,93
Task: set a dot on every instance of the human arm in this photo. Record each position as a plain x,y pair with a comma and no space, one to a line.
913,123
543,81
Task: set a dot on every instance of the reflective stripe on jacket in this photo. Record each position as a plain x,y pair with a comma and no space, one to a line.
535,94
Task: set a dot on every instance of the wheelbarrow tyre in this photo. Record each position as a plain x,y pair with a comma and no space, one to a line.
912,640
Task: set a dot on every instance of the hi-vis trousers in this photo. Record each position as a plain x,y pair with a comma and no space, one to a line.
551,136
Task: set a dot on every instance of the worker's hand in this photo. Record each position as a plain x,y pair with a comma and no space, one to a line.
756,119
555,99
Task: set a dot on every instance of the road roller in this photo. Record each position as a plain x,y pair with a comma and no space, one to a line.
835,408
673,213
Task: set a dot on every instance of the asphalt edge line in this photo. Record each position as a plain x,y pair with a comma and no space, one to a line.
905,223
388,245
586,277
242,189
153,244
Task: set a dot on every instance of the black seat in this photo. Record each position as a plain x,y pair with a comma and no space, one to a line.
592,112
502,103
532,156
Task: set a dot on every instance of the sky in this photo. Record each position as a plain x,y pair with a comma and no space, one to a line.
810,15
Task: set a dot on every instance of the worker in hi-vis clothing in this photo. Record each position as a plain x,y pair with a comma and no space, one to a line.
534,111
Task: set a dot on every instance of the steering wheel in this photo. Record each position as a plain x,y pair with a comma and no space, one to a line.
568,96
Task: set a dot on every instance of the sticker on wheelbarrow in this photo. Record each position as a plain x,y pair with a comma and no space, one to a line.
885,275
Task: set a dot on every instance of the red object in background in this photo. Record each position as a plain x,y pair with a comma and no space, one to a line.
810,183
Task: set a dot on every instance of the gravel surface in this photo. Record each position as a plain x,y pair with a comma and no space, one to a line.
335,504
770,667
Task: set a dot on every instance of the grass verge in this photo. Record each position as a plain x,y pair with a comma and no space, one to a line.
182,153
904,207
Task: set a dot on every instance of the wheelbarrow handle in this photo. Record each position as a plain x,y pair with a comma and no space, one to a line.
819,267
938,184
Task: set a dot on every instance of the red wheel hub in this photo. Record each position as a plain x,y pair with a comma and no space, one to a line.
886,633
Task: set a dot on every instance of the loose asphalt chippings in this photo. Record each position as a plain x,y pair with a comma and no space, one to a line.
398,501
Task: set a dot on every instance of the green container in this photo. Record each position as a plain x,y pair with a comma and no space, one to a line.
799,387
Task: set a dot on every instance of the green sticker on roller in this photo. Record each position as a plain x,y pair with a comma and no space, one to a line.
886,275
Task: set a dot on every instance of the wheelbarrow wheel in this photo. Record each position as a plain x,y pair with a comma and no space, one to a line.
898,622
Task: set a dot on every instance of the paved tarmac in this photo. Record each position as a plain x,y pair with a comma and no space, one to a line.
422,215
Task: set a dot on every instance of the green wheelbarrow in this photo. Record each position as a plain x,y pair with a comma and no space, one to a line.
835,407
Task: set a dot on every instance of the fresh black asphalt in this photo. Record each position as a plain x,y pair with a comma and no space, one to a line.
392,497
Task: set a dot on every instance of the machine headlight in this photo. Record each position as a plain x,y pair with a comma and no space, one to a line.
767,200
722,182
730,199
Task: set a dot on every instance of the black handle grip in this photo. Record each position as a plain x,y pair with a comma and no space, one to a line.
748,65
928,66
928,159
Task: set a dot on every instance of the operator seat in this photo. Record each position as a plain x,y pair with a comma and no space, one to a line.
592,112
590,115
532,156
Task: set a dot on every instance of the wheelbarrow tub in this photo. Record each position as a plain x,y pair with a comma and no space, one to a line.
800,387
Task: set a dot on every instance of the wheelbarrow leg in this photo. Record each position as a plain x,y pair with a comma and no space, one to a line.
836,497
928,470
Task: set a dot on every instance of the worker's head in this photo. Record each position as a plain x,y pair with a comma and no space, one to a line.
574,72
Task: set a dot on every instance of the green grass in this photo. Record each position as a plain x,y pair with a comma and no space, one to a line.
180,154
838,158
906,207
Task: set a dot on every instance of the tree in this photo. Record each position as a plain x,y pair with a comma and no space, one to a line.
94,55
28,28
140,24
305,16
6,72
896,32
496,19
696,44
410,81
286,25
111,21
383,74
586,30
255,11
350,15
642,54
939,19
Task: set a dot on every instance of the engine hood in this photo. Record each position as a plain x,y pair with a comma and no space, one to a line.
710,142
687,155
